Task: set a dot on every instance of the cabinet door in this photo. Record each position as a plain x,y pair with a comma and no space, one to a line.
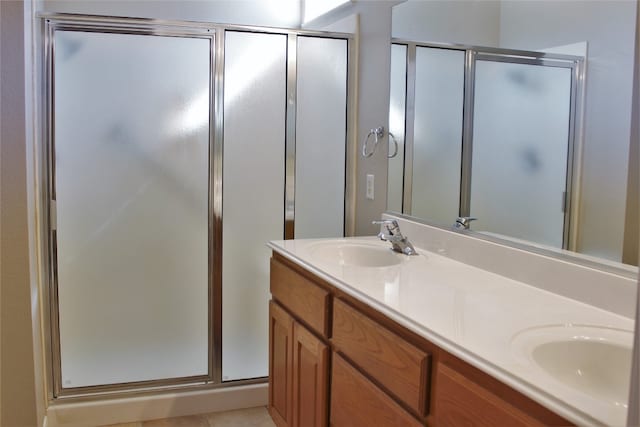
280,365
460,401
310,377
357,402
397,365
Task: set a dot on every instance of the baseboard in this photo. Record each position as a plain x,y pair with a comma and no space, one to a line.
142,408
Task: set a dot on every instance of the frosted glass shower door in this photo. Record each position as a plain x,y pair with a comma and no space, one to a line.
253,199
321,136
131,150
397,106
437,140
520,148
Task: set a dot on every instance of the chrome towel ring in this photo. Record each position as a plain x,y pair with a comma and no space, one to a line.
378,134
395,146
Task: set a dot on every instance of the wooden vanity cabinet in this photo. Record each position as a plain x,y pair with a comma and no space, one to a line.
462,402
299,351
356,401
334,360
310,378
298,372
280,365
397,365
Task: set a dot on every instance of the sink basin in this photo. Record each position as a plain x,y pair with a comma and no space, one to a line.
356,254
589,359
592,366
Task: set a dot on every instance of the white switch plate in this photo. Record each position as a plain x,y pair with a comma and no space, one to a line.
370,186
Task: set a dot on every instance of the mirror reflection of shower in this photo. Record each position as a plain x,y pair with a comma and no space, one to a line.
488,133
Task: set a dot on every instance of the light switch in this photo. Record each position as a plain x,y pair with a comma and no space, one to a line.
370,186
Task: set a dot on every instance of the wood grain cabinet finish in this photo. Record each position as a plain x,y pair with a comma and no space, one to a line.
357,402
397,365
461,402
280,365
300,296
310,379
372,371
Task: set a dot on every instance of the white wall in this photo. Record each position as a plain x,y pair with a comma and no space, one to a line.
475,22
609,29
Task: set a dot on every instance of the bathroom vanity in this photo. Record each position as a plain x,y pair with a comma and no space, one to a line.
363,336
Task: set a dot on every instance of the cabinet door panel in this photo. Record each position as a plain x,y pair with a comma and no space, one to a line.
396,364
460,401
280,360
310,377
356,401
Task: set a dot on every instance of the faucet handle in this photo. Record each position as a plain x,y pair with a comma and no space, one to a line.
464,222
391,224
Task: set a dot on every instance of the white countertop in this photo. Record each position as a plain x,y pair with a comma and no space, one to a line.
474,314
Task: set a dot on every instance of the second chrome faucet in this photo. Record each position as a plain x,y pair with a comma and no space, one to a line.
390,232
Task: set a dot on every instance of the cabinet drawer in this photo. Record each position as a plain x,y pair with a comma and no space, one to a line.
400,367
356,401
460,401
309,302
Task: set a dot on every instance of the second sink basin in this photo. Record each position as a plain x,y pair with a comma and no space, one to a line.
356,254
600,368
590,359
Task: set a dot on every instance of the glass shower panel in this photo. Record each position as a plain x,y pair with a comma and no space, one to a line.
520,146
321,133
131,180
397,107
437,146
253,206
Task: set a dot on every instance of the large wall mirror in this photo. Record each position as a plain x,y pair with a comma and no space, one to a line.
518,113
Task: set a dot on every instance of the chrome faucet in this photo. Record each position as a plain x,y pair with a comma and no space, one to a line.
463,222
390,232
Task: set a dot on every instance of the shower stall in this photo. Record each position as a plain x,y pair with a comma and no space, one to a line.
487,133
172,152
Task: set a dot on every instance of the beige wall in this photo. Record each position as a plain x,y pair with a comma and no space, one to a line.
17,389
374,68
634,394
631,228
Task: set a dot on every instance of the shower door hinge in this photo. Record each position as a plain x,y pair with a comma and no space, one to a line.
53,215
564,201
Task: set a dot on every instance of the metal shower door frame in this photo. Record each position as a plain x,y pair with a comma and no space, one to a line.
216,35
110,26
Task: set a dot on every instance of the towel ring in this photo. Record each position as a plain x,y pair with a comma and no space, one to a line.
395,146
377,133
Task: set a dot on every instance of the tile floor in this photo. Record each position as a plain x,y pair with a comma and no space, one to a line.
253,417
